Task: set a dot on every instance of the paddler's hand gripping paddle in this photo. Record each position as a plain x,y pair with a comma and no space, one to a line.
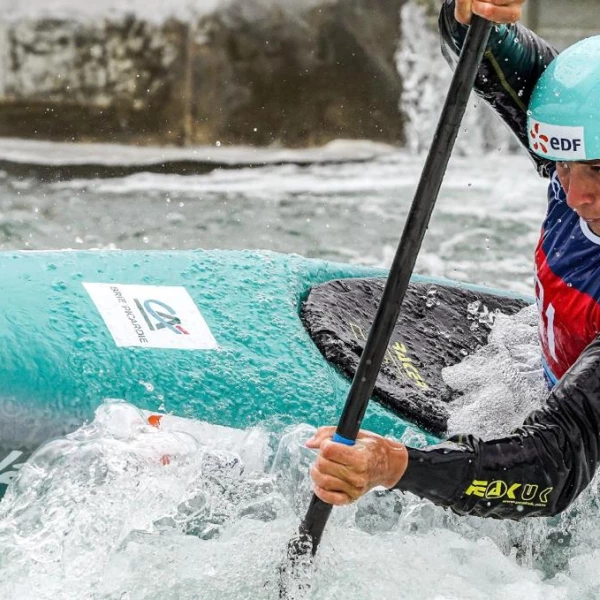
311,529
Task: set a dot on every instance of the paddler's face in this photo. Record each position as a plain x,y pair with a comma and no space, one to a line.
581,182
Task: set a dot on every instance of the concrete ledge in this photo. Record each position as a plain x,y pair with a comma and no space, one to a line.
56,161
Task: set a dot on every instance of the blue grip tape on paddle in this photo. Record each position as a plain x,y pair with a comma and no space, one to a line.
342,440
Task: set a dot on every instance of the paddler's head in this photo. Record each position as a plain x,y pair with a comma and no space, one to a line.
564,125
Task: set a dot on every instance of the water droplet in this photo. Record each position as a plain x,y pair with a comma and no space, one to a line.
149,387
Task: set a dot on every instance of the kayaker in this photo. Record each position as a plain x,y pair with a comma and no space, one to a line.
550,102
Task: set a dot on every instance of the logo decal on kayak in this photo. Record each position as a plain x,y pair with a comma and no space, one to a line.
398,357
151,316
9,467
159,315
563,143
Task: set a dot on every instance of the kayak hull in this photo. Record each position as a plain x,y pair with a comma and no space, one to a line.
214,336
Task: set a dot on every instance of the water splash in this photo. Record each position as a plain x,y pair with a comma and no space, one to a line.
426,77
503,381
122,509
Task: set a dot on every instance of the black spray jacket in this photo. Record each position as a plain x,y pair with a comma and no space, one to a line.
544,465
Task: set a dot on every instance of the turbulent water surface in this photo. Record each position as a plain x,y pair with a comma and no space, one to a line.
121,510
483,230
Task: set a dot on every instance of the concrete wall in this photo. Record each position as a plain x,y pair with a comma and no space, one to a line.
63,79
561,22
250,73
564,22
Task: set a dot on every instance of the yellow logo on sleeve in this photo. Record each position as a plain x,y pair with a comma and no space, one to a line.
527,494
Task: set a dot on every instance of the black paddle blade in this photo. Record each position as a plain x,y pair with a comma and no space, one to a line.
296,570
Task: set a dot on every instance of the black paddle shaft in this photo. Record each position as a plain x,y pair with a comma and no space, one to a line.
401,270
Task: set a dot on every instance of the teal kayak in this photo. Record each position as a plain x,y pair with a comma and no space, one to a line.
213,336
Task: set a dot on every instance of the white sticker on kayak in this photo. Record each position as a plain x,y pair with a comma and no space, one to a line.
9,467
151,316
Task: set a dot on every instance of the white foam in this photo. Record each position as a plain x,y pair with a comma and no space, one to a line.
102,514
502,382
41,152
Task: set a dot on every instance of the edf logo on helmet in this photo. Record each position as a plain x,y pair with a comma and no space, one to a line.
557,142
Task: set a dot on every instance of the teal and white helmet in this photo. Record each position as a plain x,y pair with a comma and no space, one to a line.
564,111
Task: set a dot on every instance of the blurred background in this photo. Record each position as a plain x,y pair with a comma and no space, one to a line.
262,72
240,124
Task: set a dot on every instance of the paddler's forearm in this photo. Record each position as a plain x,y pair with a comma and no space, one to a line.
538,471
512,64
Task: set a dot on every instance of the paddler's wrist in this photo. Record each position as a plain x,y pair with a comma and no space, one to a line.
397,463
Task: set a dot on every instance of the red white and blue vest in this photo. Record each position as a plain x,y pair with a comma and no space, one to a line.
567,284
